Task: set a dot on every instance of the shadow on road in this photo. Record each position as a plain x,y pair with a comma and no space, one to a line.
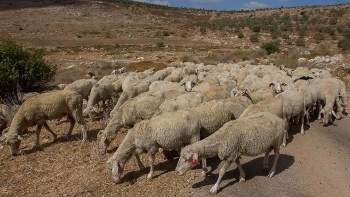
252,169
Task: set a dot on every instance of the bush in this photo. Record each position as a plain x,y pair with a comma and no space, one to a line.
344,44
319,37
256,28
160,44
300,42
271,47
240,35
25,67
254,38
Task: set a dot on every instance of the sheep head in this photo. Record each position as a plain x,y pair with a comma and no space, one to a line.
117,168
13,141
186,161
102,142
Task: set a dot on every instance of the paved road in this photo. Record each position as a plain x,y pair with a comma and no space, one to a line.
315,164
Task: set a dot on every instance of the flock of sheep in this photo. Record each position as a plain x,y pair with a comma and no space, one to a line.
224,110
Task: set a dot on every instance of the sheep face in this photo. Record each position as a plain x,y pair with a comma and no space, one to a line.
277,86
102,142
186,162
117,170
188,85
13,144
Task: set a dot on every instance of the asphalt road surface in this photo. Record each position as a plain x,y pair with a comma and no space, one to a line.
315,164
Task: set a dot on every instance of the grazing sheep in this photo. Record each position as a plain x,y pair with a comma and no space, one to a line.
47,106
286,105
102,91
135,89
215,92
215,113
83,86
131,112
168,131
180,102
251,136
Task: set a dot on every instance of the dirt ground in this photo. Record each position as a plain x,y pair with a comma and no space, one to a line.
316,164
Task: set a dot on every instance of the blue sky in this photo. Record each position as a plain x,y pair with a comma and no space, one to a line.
239,4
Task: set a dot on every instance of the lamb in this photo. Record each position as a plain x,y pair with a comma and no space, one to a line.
168,131
251,136
47,106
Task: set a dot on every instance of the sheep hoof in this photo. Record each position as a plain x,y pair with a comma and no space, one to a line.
284,144
242,180
271,175
203,174
149,176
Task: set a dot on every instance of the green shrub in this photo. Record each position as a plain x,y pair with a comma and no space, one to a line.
318,37
256,28
300,42
285,36
240,35
254,37
25,67
160,44
165,33
344,44
271,47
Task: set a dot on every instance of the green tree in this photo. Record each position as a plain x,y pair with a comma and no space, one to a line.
25,67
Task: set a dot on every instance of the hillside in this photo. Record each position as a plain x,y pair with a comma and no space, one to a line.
112,34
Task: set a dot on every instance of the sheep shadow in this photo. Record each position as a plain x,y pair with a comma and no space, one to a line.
61,139
253,168
165,167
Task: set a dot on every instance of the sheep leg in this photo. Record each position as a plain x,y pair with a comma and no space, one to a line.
37,132
139,163
71,126
266,159
302,131
204,168
241,172
285,136
151,162
49,129
222,172
273,168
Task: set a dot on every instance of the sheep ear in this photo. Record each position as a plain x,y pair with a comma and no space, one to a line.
183,84
271,84
284,84
20,137
195,159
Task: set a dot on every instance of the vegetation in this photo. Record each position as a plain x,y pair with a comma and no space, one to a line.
271,47
25,67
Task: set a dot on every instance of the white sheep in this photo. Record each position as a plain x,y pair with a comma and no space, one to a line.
286,105
102,91
83,86
168,131
135,89
47,106
215,113
251,136
180,102
131,112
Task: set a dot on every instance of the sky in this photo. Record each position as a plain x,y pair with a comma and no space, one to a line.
230,5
